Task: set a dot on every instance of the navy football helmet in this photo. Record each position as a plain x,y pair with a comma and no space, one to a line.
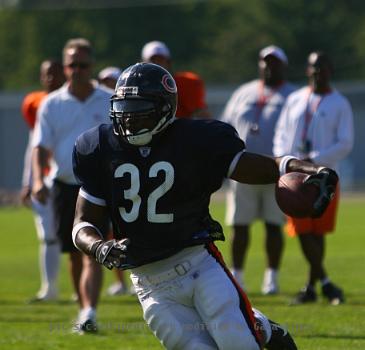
144,103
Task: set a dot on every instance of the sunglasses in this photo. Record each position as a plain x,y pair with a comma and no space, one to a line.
81,65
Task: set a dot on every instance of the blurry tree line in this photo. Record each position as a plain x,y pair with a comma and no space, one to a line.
219,39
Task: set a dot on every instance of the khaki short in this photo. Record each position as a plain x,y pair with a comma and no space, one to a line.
245,203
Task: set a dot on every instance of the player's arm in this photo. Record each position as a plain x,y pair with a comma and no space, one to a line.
40,156
253,168
87,237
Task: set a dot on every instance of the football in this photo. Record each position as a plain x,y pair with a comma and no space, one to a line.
295,198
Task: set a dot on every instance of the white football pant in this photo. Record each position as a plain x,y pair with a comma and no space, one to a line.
190,302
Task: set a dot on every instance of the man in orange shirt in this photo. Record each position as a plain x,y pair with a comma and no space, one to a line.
51,78
190,87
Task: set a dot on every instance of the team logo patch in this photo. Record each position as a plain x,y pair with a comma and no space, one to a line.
168,83
145,151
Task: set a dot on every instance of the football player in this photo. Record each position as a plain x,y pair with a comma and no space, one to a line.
154,175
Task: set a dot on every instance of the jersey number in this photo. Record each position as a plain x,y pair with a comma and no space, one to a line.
132,193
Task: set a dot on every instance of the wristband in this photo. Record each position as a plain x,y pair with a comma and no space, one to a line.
283,163
81,225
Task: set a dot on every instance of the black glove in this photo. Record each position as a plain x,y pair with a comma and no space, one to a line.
111,253
326,179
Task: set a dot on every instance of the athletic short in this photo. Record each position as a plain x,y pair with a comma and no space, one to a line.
321,226
64,197
245,203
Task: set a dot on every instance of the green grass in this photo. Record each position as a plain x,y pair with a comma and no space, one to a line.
315,327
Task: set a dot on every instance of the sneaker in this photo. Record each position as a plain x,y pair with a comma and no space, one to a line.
333,293
280,338
270,284
87,326
306,295
74,297
43,297
116,289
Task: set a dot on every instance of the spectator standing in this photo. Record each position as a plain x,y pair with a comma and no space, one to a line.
64,114
190,87
316,125
51,78
109,77
253,110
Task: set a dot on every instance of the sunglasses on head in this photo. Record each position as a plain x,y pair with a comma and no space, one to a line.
81,65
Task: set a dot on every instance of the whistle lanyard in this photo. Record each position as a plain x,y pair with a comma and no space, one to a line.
311,109
264,99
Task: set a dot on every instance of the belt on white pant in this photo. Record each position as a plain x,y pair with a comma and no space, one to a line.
180,269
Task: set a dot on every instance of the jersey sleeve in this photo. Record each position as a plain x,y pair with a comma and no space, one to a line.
223,146
86,166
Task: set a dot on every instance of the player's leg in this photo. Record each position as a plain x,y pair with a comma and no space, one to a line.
236,326
75,270
242,207
313,255
168,303
313,247
327,224
224,307
239,247
177,326
49,253
274,242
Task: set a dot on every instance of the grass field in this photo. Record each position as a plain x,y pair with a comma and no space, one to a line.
315,327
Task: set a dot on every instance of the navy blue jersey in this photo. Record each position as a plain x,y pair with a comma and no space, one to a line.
157,195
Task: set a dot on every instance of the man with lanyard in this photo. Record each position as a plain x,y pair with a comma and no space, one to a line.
253,110
316,125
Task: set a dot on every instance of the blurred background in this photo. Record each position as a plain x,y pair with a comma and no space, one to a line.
218,39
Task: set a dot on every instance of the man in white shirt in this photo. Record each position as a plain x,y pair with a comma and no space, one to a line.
316,124
66,113
253,110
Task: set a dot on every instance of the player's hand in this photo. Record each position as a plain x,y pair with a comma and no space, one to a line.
326,179
111,253
40,192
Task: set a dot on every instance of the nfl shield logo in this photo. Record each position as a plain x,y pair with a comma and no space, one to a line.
145,151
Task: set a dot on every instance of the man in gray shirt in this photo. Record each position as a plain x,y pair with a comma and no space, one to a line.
253,110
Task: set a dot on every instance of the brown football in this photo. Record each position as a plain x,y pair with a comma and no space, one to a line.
295,198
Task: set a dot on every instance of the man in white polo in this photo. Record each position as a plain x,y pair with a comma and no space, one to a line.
64,114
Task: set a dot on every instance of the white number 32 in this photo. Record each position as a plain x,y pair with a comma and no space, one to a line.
132,193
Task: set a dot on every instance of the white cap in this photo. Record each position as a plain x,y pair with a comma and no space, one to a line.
274,51
109,72
154,48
